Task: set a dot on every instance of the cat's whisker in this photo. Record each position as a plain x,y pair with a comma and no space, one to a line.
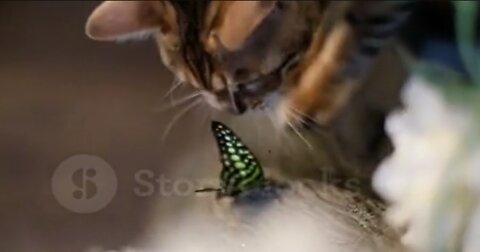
295,113
292,141
281,133
206,116
309,146
301,116
199,118
179,102
175,85
178,116
328,140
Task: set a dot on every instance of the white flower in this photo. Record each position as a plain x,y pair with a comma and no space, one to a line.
426,169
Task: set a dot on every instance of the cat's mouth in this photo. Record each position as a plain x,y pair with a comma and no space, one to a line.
252,95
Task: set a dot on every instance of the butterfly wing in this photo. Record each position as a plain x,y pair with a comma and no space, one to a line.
241,170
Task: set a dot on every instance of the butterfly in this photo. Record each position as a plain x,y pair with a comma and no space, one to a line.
241,170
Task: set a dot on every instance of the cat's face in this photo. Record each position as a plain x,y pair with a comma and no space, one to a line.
240,56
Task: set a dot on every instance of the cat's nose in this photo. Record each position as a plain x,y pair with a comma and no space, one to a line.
235,73
237,104
231,99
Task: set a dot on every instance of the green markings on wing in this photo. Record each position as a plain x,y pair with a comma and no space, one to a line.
241,170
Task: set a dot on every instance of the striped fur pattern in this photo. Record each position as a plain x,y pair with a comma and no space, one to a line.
344,46
303,59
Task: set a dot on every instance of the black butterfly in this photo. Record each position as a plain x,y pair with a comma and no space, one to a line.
241,170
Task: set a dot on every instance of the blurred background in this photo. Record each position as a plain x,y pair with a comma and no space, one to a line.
61,95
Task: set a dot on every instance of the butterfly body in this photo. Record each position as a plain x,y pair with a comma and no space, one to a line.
241,169
242,175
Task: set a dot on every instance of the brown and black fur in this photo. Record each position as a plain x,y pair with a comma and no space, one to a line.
312,53
303,61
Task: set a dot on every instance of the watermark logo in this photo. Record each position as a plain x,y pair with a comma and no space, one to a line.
84,184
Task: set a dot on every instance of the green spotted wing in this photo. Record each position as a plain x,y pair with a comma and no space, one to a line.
241,170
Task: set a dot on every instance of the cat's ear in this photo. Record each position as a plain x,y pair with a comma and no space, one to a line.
113,20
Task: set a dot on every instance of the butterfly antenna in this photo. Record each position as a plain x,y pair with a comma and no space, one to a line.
208,189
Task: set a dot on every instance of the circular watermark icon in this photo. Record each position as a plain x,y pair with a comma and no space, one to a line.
84,184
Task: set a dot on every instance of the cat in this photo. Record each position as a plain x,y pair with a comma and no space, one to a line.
304,63
303,58
310,63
